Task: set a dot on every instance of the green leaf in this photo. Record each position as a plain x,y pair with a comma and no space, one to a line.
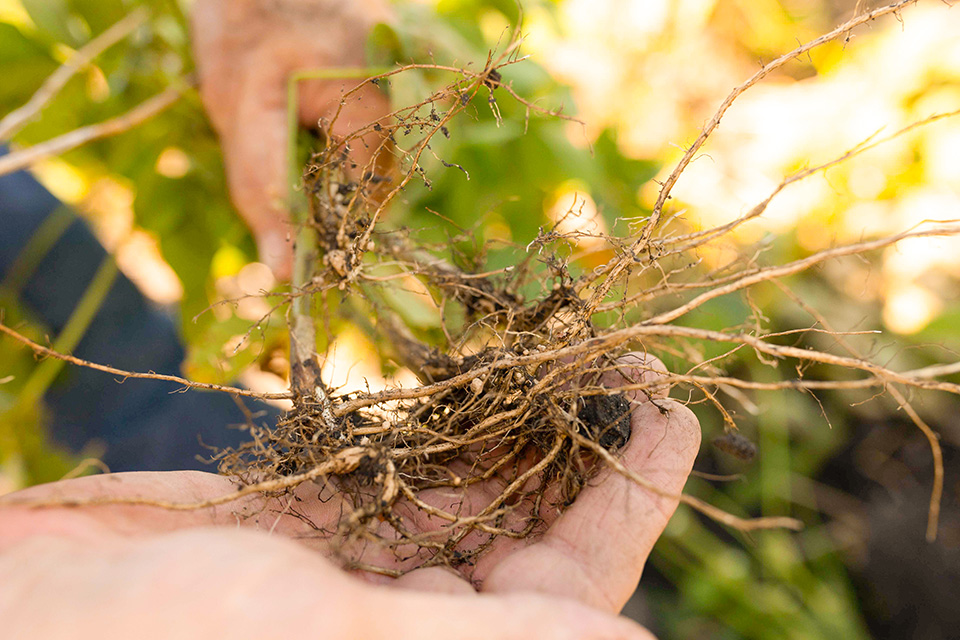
23,65
943,329
415,310
51,17
98,14
384,47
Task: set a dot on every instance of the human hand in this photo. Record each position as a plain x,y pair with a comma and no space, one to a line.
87,579
593,552
245,51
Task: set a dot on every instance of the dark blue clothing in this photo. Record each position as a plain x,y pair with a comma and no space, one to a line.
144,425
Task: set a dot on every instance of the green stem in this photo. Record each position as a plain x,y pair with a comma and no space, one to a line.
77,325
302,326
293,110
24,446
32,254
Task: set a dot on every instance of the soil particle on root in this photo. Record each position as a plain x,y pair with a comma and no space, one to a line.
607,418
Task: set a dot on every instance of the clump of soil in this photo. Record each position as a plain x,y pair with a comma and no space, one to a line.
607,419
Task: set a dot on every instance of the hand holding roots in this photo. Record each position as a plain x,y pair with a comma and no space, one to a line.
538,409
438,480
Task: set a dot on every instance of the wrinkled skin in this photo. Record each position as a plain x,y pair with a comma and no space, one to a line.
209,573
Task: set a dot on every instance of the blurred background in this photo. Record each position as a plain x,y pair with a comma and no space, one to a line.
644,76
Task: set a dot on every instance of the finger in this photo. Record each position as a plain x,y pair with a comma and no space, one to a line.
255,149
639,376
213,39
321,98
637,369
21,518
595,550
245,54
319,101
512,617
434,579
201,583
255,158
243,89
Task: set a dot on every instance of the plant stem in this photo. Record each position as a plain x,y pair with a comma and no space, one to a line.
305,251
150,107
25,445
17,119
76,327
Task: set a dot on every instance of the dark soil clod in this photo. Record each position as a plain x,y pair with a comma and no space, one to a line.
607,418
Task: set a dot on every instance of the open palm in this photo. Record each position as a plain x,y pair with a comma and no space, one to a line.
593,552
